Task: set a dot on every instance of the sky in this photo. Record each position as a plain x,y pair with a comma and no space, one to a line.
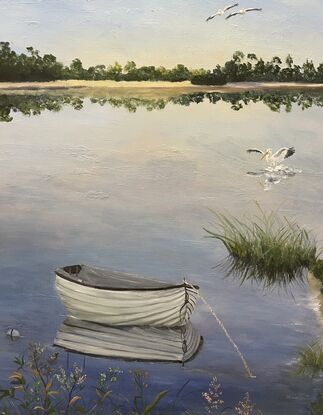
162,32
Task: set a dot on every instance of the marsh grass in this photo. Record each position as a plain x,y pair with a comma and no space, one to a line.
268,249
310,360
310,363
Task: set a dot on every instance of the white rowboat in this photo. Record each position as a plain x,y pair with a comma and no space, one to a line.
120,299
130,343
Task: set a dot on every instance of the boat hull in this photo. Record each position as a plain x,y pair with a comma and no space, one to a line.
170,307
129,343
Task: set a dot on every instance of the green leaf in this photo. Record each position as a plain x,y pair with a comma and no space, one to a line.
4,393
150,407
80,409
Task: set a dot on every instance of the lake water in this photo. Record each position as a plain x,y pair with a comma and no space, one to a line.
131,190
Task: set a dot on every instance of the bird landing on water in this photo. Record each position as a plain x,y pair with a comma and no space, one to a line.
274,159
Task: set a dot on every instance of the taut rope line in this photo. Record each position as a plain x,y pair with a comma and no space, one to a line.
244,362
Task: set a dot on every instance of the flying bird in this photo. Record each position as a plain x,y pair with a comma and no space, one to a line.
276,158
221,12
244,11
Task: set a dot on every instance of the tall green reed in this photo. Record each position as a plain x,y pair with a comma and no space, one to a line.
267,248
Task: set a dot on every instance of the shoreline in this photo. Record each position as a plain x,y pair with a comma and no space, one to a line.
179,87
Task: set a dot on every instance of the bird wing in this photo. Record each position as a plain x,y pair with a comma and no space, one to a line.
253,9
232,14
254,150
290,152
230,7
212,16
283,153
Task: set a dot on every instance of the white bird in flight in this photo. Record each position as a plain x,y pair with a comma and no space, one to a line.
244,11
221,12
276,158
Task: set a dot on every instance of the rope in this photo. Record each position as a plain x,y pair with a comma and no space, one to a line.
244,362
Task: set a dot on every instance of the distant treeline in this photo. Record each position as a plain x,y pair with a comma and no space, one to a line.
30,105
32,66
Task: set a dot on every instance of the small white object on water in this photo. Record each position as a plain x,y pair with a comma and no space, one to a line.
13,334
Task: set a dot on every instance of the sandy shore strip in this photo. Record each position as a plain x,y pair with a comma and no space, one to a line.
178,87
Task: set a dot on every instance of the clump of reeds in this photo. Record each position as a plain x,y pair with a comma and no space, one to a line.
310,360
267,248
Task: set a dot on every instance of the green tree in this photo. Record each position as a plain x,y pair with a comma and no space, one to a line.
76,69
238,56
130,66
114,71
319,73
309,71
289,61
179,73
252,57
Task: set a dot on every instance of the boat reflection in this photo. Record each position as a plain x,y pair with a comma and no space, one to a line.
129,343
271,176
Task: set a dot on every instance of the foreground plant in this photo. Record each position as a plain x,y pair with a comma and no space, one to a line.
37,387
214,403
310,363
213,397
141,407
317,407
310,360
246,407
267,248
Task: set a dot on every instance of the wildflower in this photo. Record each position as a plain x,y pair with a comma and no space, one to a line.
114,373
213,396
35,353
110,376
61,377
140,378
245,407
75,377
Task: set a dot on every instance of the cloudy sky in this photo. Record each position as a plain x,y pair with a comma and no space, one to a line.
162,32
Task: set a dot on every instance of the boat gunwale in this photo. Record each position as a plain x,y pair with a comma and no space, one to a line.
60,272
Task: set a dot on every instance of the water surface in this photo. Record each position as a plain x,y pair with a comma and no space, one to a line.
131,190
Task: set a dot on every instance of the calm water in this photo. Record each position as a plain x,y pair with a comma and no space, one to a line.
131,190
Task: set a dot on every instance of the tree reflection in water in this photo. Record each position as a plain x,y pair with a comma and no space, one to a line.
35,103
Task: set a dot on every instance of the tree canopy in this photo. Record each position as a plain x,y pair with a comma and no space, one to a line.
32,66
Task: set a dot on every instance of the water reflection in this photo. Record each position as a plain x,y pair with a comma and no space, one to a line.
168,167
129,343
271,176
35,103
265,277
